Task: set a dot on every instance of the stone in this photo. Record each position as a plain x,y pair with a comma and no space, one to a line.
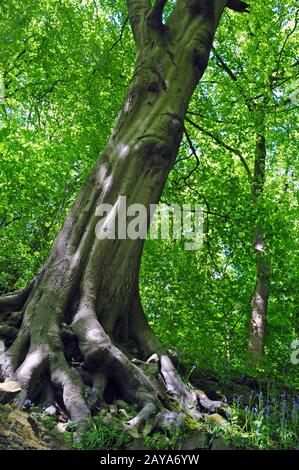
218,444
196,440
137,444
61,427
50,411
217,419
168,421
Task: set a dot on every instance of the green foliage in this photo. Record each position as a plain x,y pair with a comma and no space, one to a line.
201,301
64,81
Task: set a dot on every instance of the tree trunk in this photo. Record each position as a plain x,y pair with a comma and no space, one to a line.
84,306
258,323
257,329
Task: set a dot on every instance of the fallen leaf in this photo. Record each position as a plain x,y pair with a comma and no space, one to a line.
10,386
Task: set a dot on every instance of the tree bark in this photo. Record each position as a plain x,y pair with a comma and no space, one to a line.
257,329
87,293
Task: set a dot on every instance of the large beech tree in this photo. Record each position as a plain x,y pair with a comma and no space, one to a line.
86,297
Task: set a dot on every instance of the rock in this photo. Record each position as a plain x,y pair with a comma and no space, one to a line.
217,419
18,431
61,427
196,440
168,421
50,411
218,444
137,444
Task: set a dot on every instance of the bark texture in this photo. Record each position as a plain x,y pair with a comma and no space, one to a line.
81,321
257,329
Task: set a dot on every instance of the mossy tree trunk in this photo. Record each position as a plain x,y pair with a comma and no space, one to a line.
85,302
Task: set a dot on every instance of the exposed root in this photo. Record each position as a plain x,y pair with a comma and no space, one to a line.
14,356
46,356
8,332
206,403
73,392
30,371
96,397
142,417
189,401
100,353
16,300
47,398
180,393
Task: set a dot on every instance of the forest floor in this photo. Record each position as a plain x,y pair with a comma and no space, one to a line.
255,415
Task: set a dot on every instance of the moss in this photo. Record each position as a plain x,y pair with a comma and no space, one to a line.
18,431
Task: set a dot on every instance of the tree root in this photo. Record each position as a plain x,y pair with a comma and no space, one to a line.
96,397
15,301
142,417
36,360
73,391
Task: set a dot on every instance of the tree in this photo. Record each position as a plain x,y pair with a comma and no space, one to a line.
88,288
256,118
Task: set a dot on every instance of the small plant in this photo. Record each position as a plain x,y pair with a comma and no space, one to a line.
269,421
49,422
107,432
164,441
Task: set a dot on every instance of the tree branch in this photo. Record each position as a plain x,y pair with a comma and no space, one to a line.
138,10
220,142
193,151
285,43
119,39
237,5
224,65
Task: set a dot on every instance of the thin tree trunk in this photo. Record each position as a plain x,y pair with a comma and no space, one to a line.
257,329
